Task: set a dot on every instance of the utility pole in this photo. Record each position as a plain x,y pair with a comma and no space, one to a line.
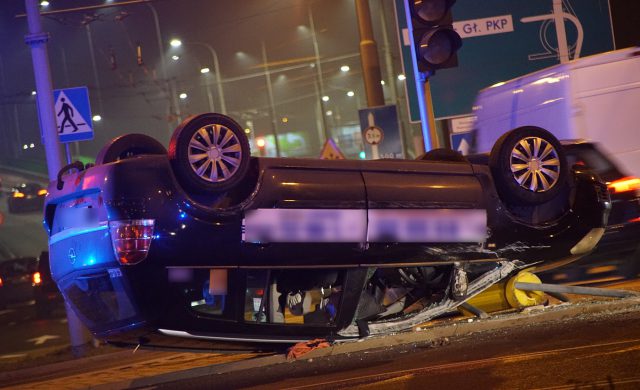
274,119
38,39
369,56
318,66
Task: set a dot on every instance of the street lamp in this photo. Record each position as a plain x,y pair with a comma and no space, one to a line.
216,65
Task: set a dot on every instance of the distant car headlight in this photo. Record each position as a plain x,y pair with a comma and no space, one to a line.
42,192
18,194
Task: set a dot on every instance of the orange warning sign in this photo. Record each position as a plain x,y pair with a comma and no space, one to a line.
330,151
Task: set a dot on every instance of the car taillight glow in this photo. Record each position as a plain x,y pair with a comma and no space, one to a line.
36,278
1,282
625,184
131,239
18,194
42,192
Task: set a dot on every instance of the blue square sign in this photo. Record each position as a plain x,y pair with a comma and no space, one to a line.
73,114
462,142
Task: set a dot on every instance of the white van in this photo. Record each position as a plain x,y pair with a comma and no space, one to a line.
594,98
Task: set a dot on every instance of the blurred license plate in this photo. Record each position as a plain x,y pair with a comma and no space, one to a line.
427,225
383,225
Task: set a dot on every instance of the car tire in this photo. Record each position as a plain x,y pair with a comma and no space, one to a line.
127,146
209,153
442,154
529,166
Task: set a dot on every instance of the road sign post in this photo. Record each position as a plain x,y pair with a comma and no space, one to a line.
37,39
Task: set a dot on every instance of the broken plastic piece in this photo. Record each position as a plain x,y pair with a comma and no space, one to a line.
305,347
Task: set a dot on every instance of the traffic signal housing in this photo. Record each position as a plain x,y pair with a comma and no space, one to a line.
435,40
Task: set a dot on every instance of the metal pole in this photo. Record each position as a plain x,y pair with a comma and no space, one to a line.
316,52
207,86
6,143
562,289
561,35
388,60
369,56
274,119
428,102
95,70
172,98
37,39
16,121
216,65
420,79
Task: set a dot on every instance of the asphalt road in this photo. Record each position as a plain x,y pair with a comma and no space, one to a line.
582,353
24,334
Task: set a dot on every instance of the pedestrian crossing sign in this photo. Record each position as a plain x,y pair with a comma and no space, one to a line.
73,114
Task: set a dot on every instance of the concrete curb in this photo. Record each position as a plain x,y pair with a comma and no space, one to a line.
537,315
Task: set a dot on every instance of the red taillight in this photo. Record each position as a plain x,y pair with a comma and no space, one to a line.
1,282
624,185
36,279
131,239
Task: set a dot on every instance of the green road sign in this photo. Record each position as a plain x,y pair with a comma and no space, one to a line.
504,39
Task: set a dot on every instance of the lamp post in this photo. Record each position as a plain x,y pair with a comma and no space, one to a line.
173,102
205,72
216,68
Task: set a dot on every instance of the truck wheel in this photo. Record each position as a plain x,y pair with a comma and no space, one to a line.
529,166
127,146
209,153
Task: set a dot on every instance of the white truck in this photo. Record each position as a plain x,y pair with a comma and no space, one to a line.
594,98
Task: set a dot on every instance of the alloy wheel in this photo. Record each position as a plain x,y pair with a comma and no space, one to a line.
215,153
535,164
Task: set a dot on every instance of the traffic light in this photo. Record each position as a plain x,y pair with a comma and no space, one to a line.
436,43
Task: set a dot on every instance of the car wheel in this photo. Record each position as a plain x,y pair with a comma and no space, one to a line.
127,146
442,154
529,166
209,153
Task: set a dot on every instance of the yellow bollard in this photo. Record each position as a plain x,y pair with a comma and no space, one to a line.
520,298
504,296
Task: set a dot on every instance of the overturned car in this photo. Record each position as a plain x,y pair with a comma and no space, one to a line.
207,243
